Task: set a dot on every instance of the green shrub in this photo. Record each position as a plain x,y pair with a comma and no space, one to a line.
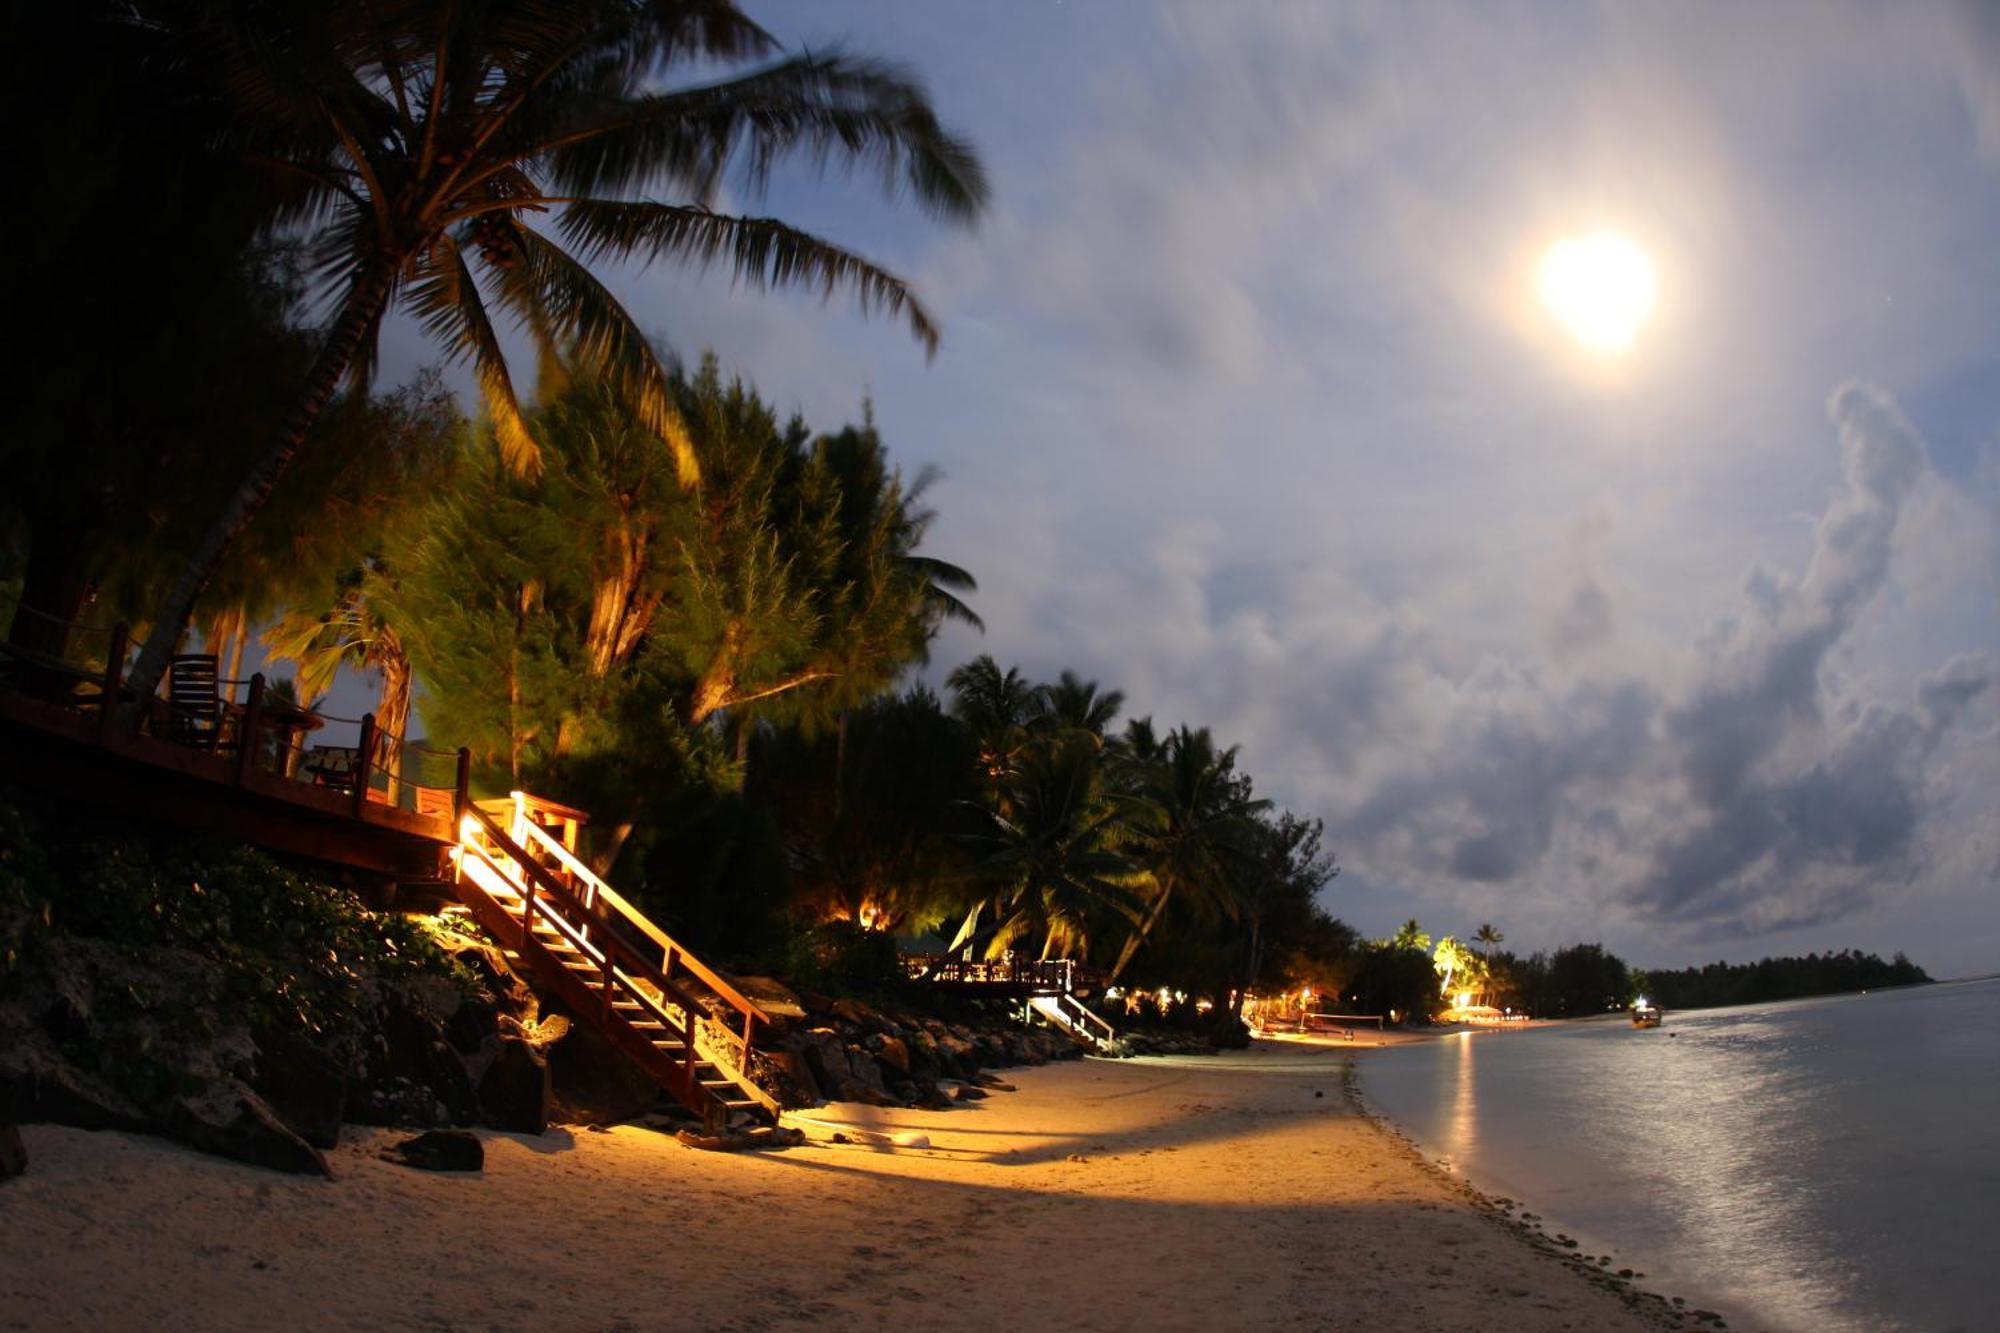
24,886
842,958
292,952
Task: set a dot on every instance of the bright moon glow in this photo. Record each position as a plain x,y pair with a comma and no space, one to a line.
1601,288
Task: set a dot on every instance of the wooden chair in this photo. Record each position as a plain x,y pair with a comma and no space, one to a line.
194,701
333,766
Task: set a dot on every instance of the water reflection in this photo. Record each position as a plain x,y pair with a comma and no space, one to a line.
1462,1135
1818,1166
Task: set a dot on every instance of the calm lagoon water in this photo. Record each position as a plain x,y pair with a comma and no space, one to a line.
1821,1164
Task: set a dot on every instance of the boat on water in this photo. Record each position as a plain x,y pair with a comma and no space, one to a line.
1646,1014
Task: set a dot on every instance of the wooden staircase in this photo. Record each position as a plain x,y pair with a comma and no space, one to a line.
572,937
1063,1010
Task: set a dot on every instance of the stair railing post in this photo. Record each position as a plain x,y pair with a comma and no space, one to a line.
749,1021
461,790
246,731
364,763
114,680
527,905
688,1058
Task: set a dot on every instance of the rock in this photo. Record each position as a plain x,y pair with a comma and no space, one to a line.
895,1053
958,1054
929,1095
968,1092
517,1093
778,1001
468,1029
595,1083
440,1150
36,1084
796,1085
304,1085
413,1076
923,1048
826,1058
232,1121
867,1072
857,1013
13,1153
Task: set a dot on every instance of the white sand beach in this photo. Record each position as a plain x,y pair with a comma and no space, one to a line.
1235,1192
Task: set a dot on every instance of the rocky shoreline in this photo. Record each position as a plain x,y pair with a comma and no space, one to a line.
95,1036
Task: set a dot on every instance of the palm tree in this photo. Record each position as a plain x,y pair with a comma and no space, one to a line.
997,708
355,632
1055,860
413,141
1203,820
1074,704
1486,936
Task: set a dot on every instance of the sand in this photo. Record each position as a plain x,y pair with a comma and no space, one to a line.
1241,1191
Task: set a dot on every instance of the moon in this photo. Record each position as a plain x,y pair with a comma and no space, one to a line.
1600,288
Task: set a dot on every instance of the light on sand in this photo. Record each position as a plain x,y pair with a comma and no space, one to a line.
1600,287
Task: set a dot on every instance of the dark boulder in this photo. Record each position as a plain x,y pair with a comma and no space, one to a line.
304,1085
785,1074
929,1095
232,1121
440,1150
13,1153
893,1052
595,1082
857,1013
517,1093
36,1084
412,1076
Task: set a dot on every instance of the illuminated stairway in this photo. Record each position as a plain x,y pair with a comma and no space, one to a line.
570,935
1065,1011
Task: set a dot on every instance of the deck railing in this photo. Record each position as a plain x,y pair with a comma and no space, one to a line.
605,903
1054,975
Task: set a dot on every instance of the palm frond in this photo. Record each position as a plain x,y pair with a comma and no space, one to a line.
763,252
447,303
863,112
555,295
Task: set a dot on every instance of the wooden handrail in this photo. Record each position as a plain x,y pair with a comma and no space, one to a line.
674,952
608,942
576,939
479,865
1067,1001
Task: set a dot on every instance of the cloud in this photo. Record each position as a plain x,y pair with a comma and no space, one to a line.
1243,410
1747,786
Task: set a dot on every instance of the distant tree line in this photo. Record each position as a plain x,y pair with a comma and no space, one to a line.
1717,984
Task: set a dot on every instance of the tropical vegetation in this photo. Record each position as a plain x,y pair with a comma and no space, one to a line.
637,588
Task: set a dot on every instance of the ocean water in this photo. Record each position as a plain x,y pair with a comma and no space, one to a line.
1825,1164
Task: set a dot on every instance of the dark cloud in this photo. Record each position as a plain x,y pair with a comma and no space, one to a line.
1763,790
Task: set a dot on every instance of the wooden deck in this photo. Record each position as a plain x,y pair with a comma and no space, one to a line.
1018,978
511,863
72,745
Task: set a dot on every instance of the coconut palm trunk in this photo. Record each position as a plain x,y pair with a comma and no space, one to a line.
360,312
1138,937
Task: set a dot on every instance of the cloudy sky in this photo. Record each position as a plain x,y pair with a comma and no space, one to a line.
1247,406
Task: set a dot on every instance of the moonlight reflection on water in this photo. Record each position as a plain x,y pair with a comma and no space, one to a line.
1821,1164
